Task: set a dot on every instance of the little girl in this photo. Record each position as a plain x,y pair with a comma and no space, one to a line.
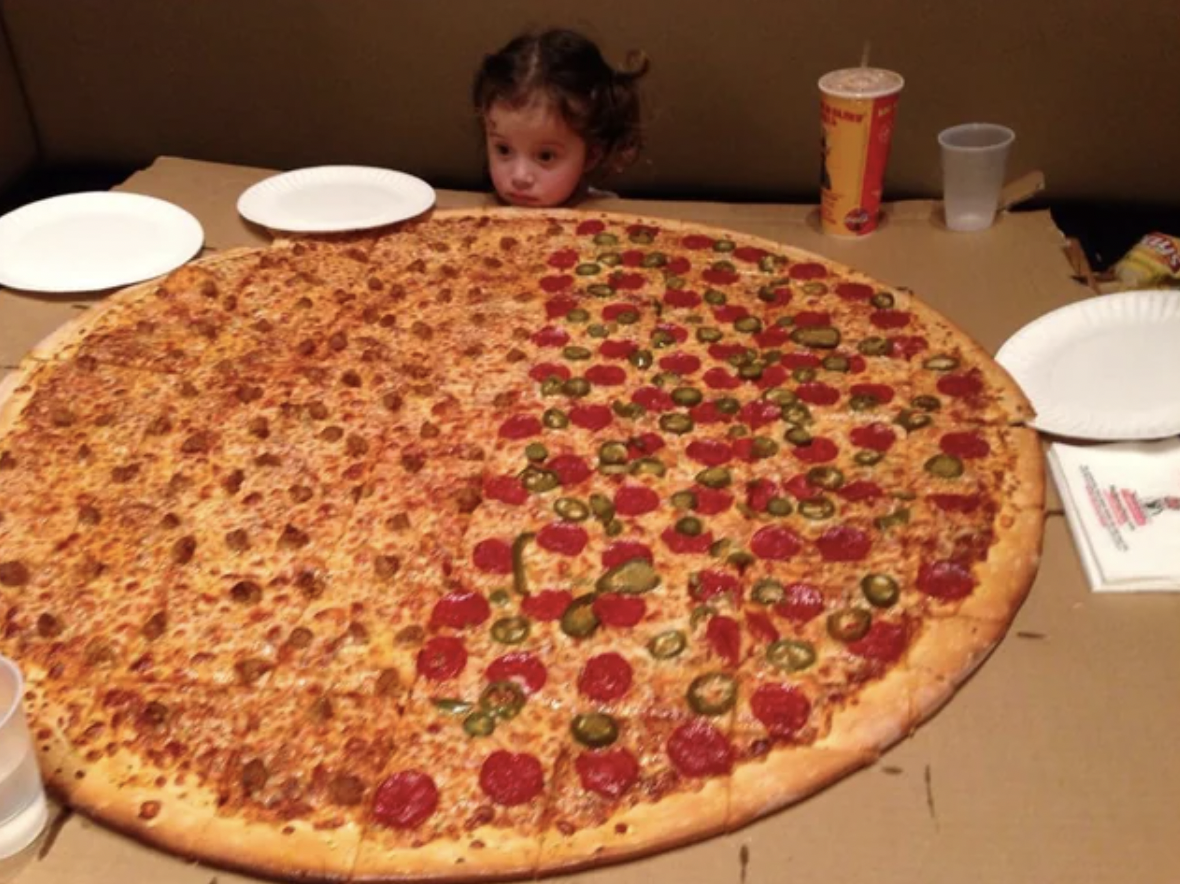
555,115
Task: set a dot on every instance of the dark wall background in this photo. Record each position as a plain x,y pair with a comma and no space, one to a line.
1091,87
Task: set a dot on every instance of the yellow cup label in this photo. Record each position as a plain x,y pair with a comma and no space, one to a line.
855,138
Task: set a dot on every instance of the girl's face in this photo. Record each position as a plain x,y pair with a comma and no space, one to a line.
536,159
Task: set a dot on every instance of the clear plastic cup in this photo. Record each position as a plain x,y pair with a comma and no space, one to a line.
974,159
23,810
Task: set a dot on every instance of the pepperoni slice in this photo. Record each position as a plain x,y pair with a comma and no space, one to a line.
750,254
520,426
678,332
719,277
710,584
611,312
616,609
542,371
606,375
520,667
624,551
760,493
961,386
907,346
589,228
759,413
644,445
493,556
730,313
800,360
563,259
681,298
511,779
812,318
605,677
709,413
775,336
807,270
844,544
551,336
818,393
854,291
772,376
506,489
856,362
884,642
559,307
554,284
720,379
459,610
883,393
711,501
775,543
590,417
628,282
725,638
617,349
698,749
405,800
945,580
956,503
783,709
889,318
800,488
818,450
681,363
761,627
570,469
725,352
635,500
710,452
653,399
877,437
801,603
697,242
632,258
548,605
563,538
860,490
678,266
608,772
441,658
965,445
683,544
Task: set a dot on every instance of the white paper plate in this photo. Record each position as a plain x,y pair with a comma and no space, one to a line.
1104,368
325,199
89,241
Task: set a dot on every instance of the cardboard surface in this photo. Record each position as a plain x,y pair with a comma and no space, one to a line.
1055,762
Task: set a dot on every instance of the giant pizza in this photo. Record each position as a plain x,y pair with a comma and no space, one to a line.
498,542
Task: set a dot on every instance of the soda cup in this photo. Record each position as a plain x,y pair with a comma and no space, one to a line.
858,107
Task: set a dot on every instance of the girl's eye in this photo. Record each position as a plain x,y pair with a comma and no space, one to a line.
546,156
502,150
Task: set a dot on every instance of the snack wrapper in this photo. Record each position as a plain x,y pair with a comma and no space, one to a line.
1153,262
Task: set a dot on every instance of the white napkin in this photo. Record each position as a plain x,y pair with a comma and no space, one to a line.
1122,503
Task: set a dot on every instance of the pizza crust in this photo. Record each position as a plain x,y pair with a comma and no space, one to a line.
642,829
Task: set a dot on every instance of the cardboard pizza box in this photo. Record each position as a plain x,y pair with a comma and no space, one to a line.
1055,762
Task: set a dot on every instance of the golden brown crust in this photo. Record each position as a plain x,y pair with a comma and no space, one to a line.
500,855
641,830
787,775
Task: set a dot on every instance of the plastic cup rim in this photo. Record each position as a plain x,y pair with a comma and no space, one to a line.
868,95
9,712
1007,137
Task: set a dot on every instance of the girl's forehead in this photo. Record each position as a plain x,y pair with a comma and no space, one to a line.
539,114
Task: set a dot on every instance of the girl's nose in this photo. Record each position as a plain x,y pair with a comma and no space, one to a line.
522,175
